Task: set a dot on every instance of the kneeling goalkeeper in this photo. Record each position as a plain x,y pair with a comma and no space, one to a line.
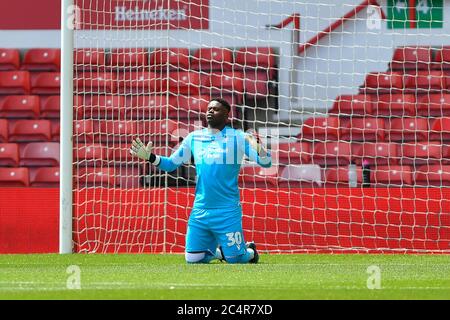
215,223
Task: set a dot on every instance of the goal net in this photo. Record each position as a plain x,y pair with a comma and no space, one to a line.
351,97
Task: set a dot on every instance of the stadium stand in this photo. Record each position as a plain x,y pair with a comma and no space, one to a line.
398,122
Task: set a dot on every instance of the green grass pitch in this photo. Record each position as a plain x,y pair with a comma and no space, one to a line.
151,276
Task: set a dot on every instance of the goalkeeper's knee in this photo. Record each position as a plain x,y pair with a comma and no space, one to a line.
198,257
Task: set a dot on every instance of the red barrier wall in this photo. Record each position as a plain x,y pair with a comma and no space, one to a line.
296,220
29,219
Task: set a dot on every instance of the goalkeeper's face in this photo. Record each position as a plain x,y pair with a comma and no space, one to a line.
216,115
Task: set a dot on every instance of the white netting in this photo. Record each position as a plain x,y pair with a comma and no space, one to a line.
351,98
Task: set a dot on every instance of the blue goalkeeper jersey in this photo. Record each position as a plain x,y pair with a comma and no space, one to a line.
217,157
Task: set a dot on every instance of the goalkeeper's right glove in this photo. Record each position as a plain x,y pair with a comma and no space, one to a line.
141,151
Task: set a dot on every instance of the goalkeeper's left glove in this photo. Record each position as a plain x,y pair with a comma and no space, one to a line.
141,151
253,142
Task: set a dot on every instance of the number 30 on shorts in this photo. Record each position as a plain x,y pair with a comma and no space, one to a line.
234,238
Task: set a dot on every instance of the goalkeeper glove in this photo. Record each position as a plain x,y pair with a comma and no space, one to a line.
253,142
141,151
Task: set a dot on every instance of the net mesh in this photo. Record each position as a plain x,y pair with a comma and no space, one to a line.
350,97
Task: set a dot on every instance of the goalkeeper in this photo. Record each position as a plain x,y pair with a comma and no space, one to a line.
215,223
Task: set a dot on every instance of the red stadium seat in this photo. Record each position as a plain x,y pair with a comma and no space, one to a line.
396,105
433,175
19,107
392,176
92,154
44,177
349,105
305,175
172,58
9,154
256,83
40,154
407,129
421,152
363,129
139,82
3,130
46,83
332,153
425,81
338,177
42,60
83,131
293,152
440,129
192,107
131,58
103,107
14,82
146,106
320,128
14,177
89,59
112,131
9,59
159,131
95,82
252,58
411,58
442,58
383,82
30,131
56,127
183,83
258,177
95,177
380,153
50,106
225,84
206,59
434,105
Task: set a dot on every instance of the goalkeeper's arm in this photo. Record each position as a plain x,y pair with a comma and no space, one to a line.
169,164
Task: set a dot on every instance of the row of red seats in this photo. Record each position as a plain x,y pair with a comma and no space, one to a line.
24,82
331,153
290,176
177,106
320,129
44,154
29,130
420,57
381,153
97,58
375,129
30,154
314,175
422,81
90,130
106,106
400,104
141,82
29,177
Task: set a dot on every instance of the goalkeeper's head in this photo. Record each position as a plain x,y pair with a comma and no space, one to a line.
217,113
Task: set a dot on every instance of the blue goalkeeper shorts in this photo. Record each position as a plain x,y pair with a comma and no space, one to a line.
208,228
